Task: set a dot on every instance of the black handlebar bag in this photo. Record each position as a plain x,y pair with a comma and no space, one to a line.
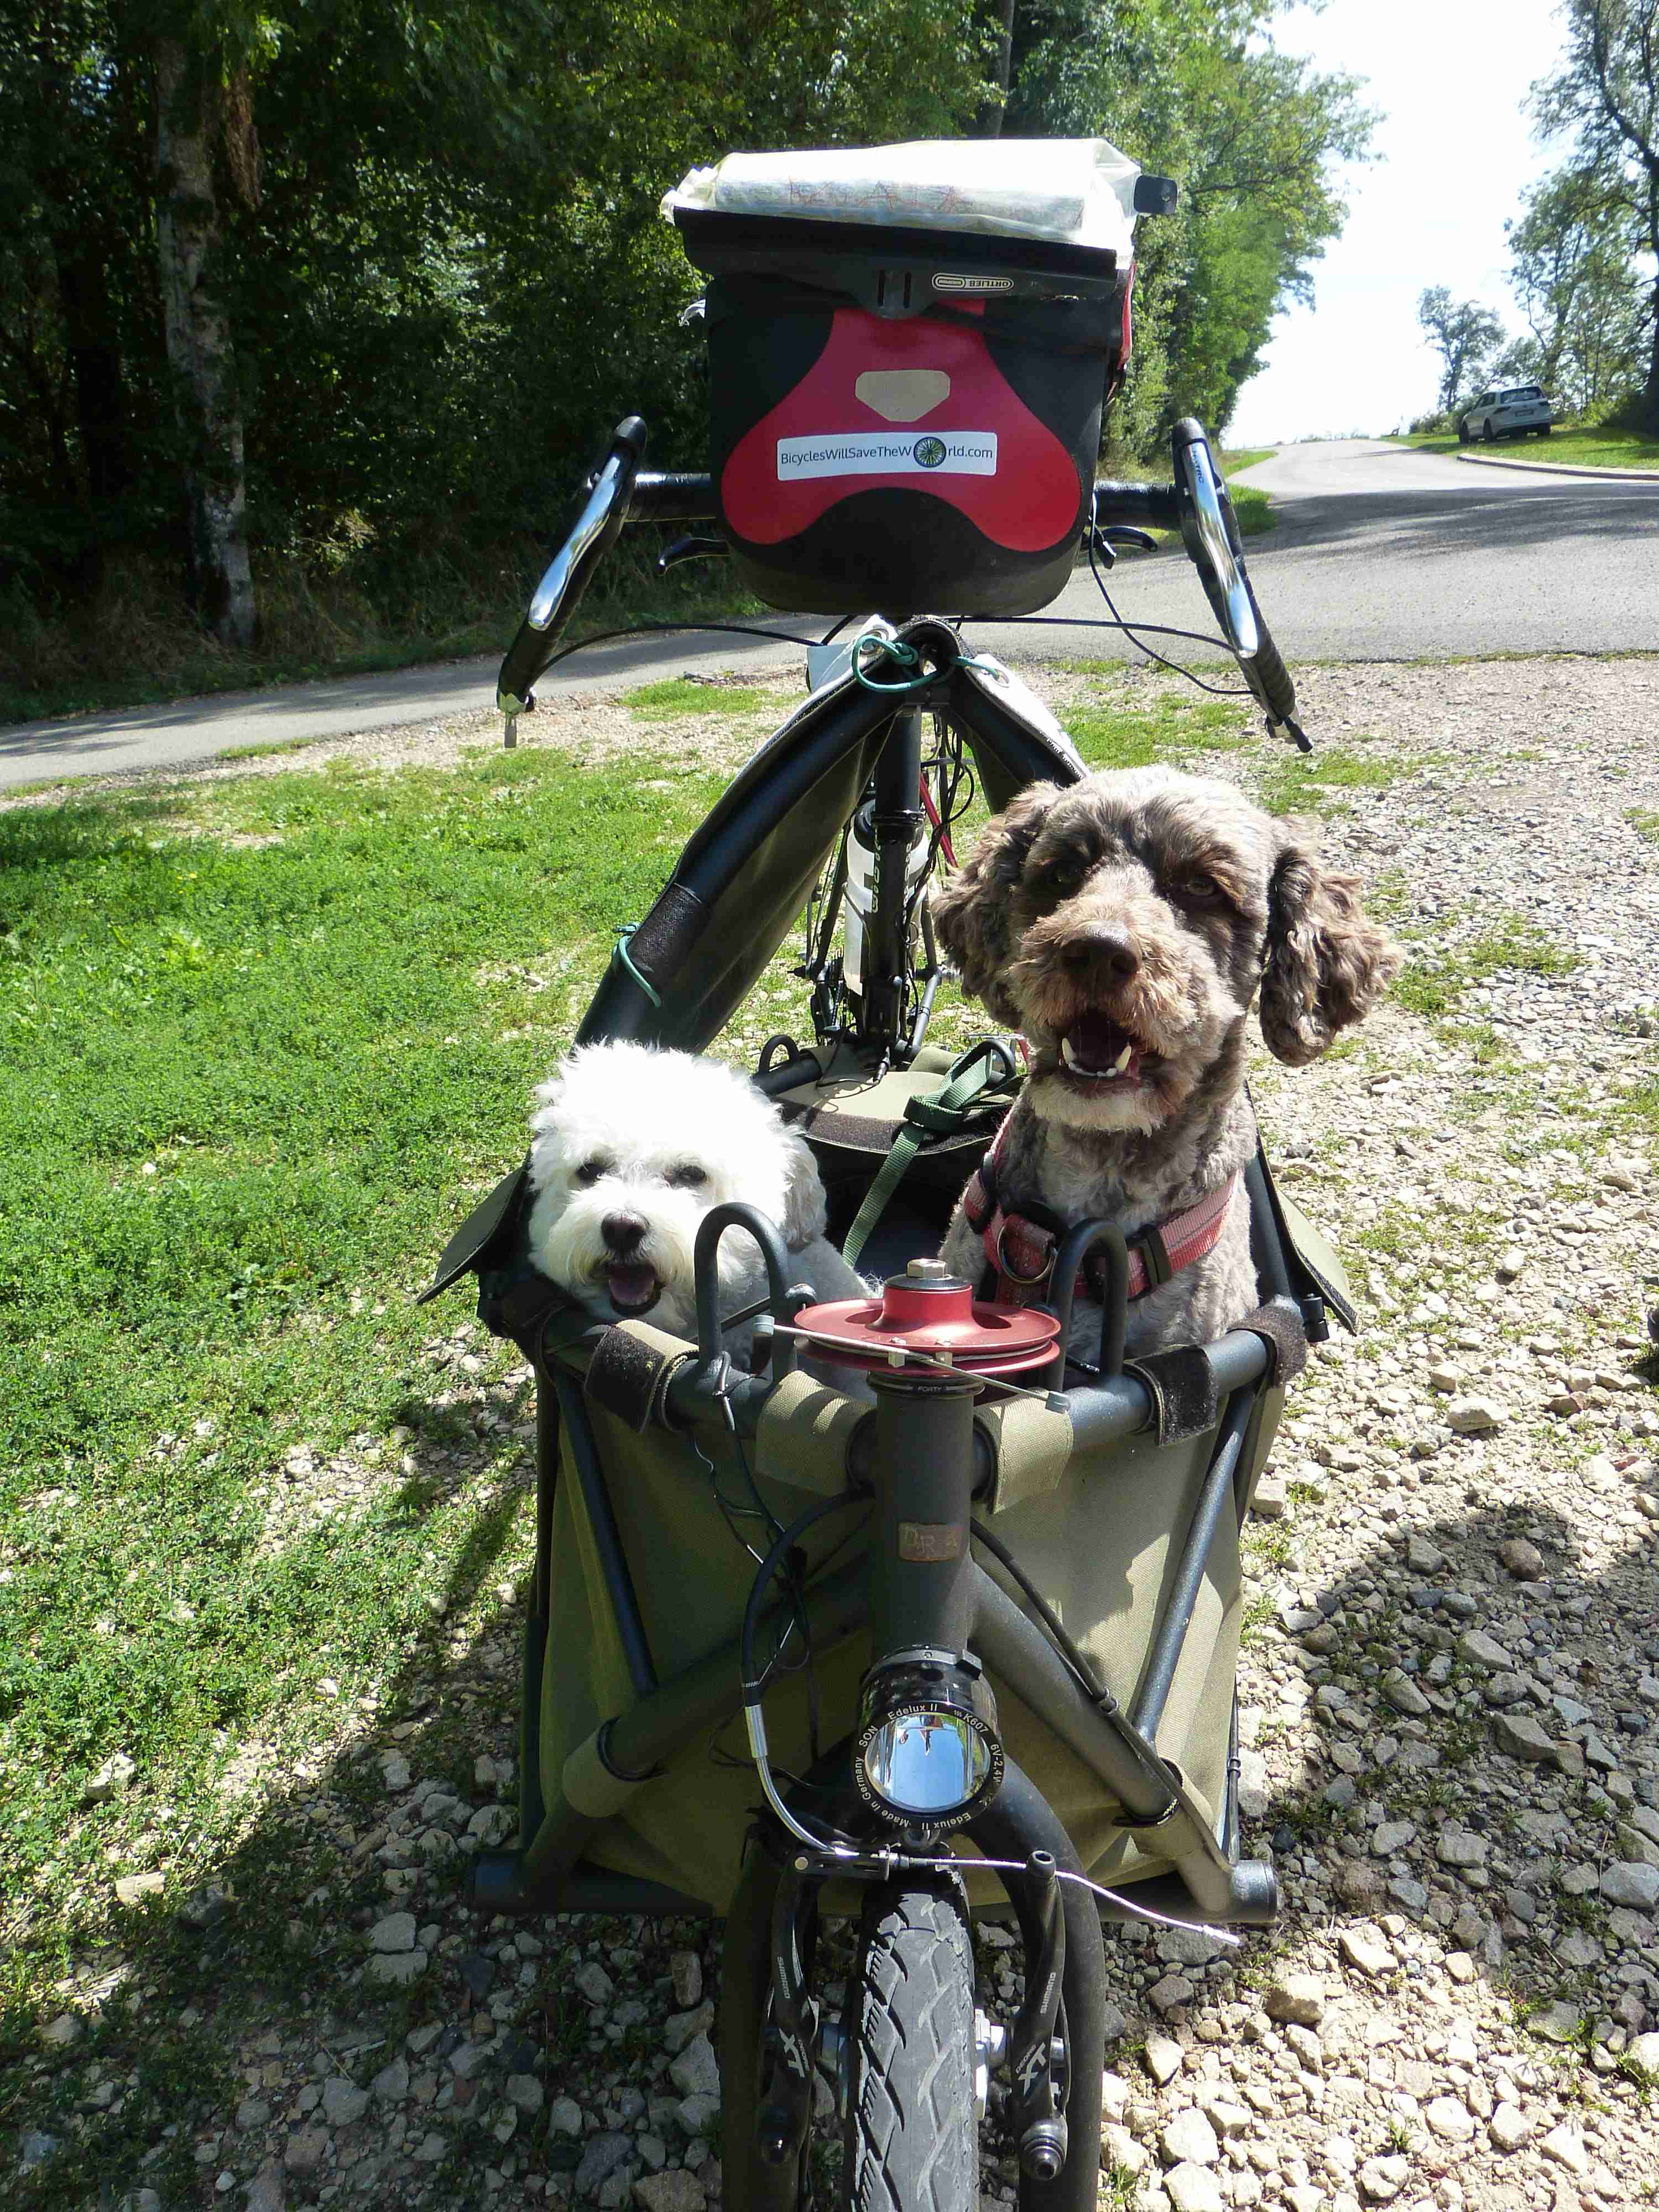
904,419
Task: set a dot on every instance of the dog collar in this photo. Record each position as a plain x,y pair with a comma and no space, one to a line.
1020,1250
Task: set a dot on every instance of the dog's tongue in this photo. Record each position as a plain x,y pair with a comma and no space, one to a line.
1096,1045
632,1288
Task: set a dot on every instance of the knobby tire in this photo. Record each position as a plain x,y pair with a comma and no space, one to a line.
912,2131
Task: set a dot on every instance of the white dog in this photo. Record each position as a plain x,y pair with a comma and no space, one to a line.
631,1148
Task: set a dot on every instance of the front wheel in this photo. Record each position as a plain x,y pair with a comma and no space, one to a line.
912,2134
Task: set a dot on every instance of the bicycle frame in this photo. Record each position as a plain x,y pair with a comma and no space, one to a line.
922,1459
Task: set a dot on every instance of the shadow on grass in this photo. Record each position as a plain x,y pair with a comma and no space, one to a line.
58,836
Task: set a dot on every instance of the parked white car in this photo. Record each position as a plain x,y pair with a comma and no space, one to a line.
1509,410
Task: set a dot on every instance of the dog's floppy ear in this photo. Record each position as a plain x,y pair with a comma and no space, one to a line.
805,1216
1326,962
970,909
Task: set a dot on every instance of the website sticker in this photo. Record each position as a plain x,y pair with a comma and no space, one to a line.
878,453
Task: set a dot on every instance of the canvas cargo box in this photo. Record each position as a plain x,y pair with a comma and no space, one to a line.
906,375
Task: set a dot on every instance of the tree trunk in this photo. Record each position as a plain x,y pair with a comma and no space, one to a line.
199,347
989,123
1650,389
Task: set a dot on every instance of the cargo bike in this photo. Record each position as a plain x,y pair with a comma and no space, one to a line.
953,1633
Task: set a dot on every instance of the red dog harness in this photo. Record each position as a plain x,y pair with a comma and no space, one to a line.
1021,1252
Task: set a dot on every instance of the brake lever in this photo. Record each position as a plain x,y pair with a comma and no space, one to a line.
591,530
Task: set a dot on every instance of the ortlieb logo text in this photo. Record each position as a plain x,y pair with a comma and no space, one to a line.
867,454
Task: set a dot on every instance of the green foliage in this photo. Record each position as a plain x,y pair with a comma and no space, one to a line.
1466,336
1252,136
446,274
1606,95
1572,269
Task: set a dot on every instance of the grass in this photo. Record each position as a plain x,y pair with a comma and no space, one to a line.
269,751
1571,445
676,695
1176,728
245,1091
1312,783
1179,729
1254,509
1433,984
1250,504
1645,822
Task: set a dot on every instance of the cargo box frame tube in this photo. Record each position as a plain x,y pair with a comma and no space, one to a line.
544,1874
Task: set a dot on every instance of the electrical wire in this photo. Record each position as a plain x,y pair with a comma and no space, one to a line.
953,1864
1097,621
1221,691
676,629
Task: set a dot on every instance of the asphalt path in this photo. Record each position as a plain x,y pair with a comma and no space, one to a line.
1380,552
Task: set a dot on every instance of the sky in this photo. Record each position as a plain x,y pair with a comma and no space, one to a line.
1451,78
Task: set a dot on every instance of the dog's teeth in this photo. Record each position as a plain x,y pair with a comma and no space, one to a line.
1069,1053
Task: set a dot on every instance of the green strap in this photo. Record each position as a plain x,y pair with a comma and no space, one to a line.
988,1066
622,955
906,656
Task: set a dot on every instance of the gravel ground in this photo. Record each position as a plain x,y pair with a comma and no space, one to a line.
1450,1682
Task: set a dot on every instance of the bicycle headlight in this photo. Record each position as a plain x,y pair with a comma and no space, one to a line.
928,1754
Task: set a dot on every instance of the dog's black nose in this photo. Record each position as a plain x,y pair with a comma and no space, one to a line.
623,1231
1106,950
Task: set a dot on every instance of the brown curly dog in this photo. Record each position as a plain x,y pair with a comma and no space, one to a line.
1124,926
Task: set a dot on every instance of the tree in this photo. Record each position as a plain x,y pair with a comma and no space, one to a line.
1252,136
994,104
1465,334
344,291
203,122
78,327
1572,271
1606,90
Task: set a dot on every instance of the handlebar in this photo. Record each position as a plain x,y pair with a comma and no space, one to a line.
1197,506
587,538
616,492
1136,506
672,496
619,491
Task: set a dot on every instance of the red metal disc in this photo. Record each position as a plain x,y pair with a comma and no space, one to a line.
940,1319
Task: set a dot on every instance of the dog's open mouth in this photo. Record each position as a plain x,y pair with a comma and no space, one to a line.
632,1287
1095,1049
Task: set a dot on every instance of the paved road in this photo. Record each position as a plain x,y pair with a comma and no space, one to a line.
1384,553
1380,552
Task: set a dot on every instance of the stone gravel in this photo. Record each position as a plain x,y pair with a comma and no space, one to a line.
1450,1680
